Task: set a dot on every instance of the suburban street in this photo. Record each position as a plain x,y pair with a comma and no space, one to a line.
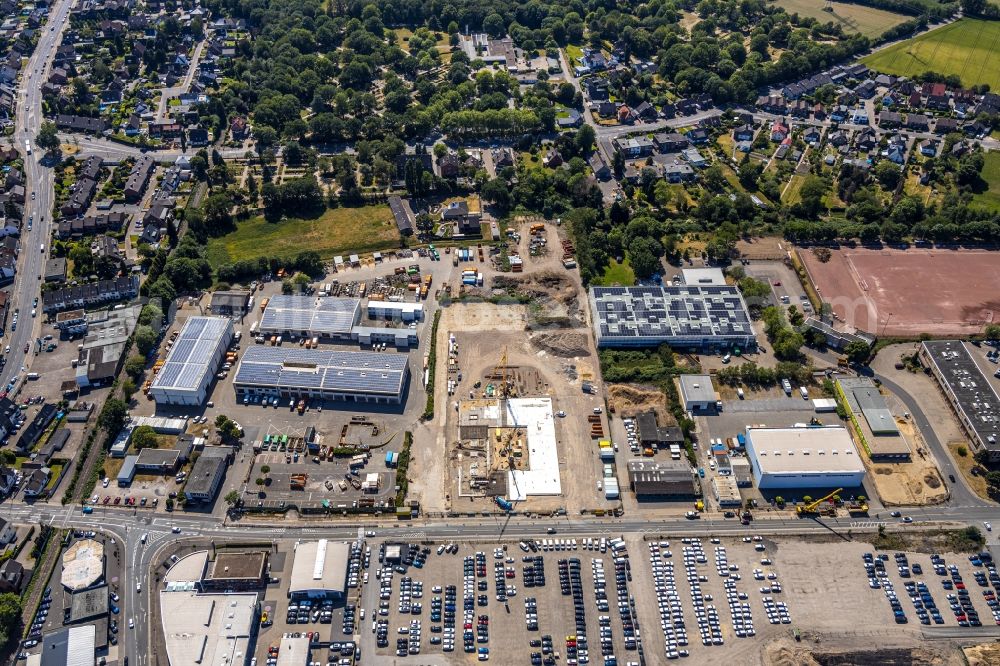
39,194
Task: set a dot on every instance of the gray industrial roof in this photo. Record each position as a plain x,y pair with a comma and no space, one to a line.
322,315
627,315
204,470
89,603
298,368
697,388
972,390
862,395
72,646
188,360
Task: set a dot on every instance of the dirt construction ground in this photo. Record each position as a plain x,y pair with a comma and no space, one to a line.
908,292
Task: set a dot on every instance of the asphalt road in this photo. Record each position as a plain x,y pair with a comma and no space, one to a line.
39,194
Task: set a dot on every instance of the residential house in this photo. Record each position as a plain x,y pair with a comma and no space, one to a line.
569,119
596,89
896,153
670,142
11,576
139,177
799,108
812,135
772,104
945,125
929,147
917,122
865,89
599,166
678,172
239,128
552,159
743,133
698,136
90,294
635,147
81,124
449,166
466,220
889,119
645,111
198,136
695,158
778,131
606,109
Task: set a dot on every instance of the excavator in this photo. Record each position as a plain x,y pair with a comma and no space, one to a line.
812,510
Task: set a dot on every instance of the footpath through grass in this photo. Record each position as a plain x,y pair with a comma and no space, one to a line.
969,48
336,231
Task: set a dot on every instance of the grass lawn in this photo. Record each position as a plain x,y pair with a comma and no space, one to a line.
573,54
991,174
965,464
337,230
791,194
965,48
852,18
617,274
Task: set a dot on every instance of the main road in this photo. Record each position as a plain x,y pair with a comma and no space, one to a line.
39,195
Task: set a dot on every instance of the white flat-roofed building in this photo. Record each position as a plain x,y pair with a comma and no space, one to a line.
804,457
325,317
208,628
293,650
70,646
697,393
395,310
192,362
319,570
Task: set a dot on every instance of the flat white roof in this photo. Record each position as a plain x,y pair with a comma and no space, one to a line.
293,651
188,569
319,565
815,450
207,628
702,276
542,477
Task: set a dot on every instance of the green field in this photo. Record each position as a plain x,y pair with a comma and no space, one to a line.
991,174
969,48
852,18
617,275
336,231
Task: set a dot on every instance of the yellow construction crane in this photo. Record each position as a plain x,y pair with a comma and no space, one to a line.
810,509
500,376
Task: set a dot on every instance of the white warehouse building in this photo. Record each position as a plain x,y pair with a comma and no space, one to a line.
395,311
192,361
804,457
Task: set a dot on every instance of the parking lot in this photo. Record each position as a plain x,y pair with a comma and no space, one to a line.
333,623
510,603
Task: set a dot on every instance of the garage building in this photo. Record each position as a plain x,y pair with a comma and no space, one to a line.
192,362
319,570
804,457
697,393
326,374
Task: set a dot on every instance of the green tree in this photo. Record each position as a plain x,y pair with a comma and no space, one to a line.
857,351
112,416
888,174
135,366
145,339
48,136
231,498
144,437
992,332
10,617
265,469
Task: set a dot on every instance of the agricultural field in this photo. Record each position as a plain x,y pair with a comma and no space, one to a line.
337,230
990,198
968,48
868,21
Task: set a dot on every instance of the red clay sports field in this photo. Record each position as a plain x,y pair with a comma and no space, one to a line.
908,292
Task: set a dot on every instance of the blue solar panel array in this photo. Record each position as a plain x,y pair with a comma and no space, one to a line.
295,368
323,316
189,359
684,313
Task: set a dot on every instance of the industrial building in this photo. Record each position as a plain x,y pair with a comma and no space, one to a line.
395,311
192,362
968,391
665,479
207,474
726,491
654,436
83,565
103,347
199,628
330,375
803,457
231,303
70,646
237,571
701,317
294,650
880,435
325,317
319,570
698,393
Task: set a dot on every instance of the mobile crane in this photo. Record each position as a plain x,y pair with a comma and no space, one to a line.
811,510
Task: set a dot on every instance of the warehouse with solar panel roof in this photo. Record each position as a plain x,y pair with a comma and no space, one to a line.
192,362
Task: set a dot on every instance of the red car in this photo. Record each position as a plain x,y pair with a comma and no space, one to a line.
777,283
107,498
118,500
